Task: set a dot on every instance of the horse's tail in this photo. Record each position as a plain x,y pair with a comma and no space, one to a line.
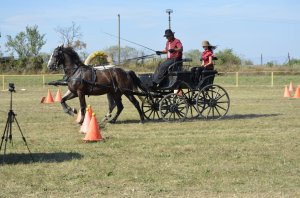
136,80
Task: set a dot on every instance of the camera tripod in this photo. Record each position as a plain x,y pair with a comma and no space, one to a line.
7,133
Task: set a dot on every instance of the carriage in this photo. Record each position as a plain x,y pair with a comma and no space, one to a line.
180,96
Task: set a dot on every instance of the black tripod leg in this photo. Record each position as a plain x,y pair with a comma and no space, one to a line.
5,137
24,139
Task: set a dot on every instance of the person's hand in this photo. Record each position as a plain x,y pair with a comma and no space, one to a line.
171,50
158,52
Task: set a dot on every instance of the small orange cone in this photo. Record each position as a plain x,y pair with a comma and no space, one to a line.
297,93
93,134
90,110
291,87
58,96
87,119
49,98
286,92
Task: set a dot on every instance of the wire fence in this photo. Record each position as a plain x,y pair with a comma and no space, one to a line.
229,79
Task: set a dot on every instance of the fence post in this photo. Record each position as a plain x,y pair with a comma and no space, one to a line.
272,79
237,79
43,80
2,82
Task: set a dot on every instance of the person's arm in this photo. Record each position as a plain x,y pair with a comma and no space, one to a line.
209,61
202,63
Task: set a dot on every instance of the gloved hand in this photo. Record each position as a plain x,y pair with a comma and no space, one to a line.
158,52
171,50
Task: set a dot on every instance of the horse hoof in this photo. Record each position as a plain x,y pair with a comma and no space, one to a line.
142,122
74,110
71,113
112,121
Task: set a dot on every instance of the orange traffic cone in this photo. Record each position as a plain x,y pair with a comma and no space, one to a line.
87,119
58,96
297,93
93,134
90,110
78,117
49,98
291,87
286,92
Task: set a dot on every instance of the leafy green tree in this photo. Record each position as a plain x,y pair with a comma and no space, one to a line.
35,40
194,55
227,57
17,44
26,43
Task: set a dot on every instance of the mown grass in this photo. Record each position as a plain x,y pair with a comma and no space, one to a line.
253,152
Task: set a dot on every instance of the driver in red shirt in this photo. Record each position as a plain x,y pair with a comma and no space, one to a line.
173,50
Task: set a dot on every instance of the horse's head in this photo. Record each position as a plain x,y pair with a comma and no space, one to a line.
56,59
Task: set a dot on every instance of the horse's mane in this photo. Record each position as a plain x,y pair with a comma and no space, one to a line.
74,55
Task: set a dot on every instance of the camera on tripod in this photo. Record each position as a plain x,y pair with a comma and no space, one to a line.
11,87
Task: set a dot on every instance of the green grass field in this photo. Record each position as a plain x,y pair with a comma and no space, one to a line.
253,152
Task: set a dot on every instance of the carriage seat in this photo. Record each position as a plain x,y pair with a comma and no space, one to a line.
177,66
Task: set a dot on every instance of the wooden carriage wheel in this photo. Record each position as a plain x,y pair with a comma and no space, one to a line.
150,108
173,108
213,102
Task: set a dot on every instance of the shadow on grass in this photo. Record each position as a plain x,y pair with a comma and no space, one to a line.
25,158
227,117
249,116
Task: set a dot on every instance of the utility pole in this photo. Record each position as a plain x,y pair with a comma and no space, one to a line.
119,41
169,11
289,58
261,59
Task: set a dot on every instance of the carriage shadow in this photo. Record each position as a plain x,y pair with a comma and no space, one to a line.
25,158
249,116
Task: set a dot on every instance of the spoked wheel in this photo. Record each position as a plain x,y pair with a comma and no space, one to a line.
150,108
173,108
213,102
191,99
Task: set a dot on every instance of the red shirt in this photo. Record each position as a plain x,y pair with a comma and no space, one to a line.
171,45
205,56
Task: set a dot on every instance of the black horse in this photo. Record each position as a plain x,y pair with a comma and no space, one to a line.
84,80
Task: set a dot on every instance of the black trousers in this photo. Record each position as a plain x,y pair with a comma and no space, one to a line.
162,69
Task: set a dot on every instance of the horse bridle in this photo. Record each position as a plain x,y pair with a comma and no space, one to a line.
59,58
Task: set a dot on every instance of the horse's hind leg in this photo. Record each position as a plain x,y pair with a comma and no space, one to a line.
68,96
111,106
136,103
118,102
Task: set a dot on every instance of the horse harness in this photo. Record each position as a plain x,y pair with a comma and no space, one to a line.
93,80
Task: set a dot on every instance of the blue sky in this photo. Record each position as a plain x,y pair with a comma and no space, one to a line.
250,28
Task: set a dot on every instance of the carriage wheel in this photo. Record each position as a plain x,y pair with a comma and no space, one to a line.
213,102
173,108
191,99
150,108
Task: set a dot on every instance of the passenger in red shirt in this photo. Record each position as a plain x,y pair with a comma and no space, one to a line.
207,60
173,50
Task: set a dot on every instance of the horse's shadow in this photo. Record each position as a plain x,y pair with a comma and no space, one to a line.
27,158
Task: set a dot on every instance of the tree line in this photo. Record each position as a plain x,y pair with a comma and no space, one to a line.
27,46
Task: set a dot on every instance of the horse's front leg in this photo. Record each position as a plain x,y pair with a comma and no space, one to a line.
67,109
82,106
